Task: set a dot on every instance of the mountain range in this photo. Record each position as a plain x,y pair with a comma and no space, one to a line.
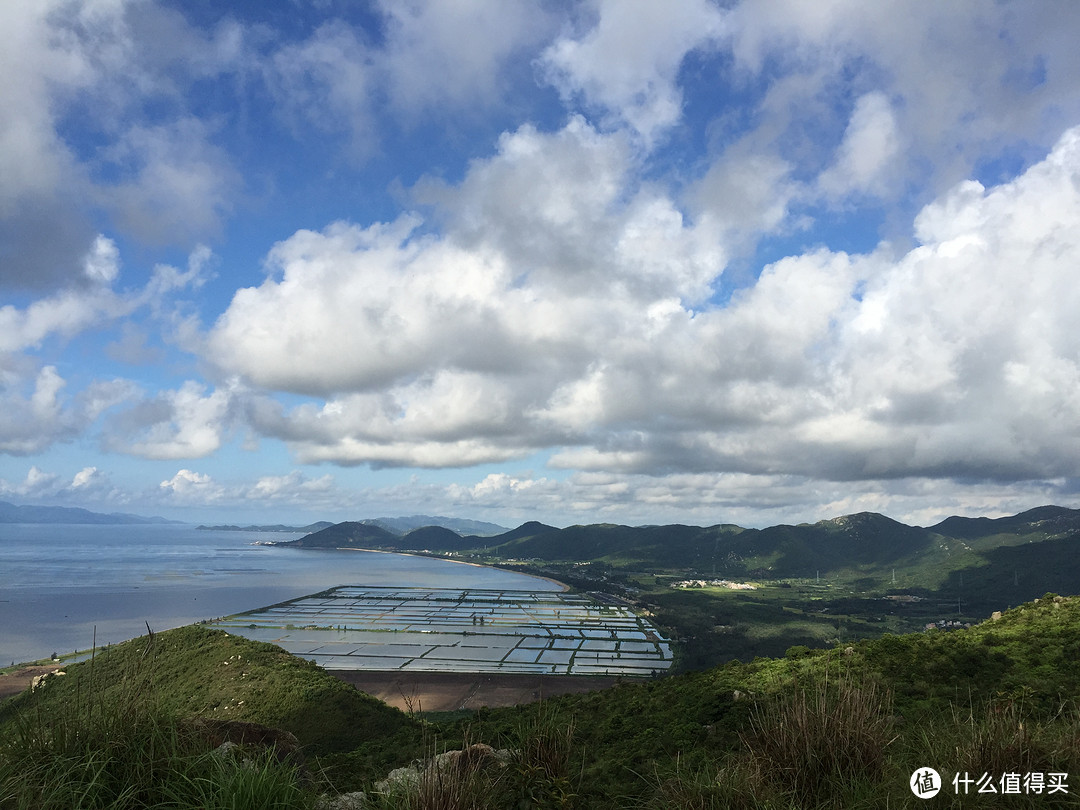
864,550
11,513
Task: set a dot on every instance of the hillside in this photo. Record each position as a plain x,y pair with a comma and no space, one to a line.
350,534
194,671
1000,696
977,560
462,526
842,727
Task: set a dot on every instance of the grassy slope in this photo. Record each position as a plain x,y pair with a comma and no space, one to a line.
194,671
625,736
636,742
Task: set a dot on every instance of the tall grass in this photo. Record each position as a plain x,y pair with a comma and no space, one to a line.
821,743
118,748
533,773
822,740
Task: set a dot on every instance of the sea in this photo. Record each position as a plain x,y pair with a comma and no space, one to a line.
65,588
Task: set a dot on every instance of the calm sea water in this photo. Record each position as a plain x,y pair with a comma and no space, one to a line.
60,583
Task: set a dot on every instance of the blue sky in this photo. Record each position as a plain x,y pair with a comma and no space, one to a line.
576,262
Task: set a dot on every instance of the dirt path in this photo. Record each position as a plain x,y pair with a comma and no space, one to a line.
15,682
445,691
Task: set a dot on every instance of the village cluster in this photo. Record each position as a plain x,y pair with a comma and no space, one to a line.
714,583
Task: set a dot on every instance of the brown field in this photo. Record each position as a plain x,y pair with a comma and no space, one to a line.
451,691
15,682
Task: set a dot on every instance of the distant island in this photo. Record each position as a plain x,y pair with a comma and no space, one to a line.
392,526
276,527
12,513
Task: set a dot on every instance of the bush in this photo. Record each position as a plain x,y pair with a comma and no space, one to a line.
821,740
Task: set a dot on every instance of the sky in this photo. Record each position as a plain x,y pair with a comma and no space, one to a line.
615,261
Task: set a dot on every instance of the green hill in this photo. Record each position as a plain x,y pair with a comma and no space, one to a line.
198,672
843,727
350,534
435,538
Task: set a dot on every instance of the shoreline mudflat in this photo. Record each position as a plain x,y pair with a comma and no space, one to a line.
454,691
15,682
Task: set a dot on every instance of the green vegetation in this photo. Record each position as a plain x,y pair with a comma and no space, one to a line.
856,576
817,688
838,727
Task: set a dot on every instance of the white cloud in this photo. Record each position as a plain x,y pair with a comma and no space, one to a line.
31,423
176,185
962,81
564,321
443,351
96,125
291,491
36,484
102,263
866,155
438,54
183,423
627,63
326,83
188,486
74,309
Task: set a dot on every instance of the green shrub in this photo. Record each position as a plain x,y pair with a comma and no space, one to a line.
812,742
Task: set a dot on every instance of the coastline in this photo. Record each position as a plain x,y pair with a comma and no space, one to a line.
63,582
432,556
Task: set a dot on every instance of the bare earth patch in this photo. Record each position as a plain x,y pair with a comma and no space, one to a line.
452,691
15,682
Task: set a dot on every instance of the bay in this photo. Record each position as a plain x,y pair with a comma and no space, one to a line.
62,585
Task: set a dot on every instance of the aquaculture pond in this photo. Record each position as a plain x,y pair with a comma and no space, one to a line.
471,630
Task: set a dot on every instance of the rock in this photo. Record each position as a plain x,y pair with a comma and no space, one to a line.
225,736
995,615
346,801
447,765
40,680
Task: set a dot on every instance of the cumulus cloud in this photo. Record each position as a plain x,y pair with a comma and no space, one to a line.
627,62
444,351
293,490
183,423
865,156
478,346
36,484
326,82
942,363
74,309
34,413
192,487
176,186
952,84
158,175
437,54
